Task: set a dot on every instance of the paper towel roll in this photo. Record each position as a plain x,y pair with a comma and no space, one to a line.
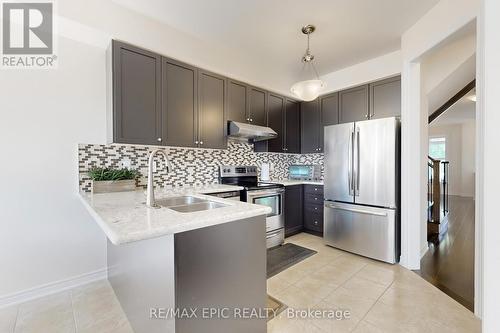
264,171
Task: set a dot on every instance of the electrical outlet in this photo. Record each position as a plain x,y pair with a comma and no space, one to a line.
125,163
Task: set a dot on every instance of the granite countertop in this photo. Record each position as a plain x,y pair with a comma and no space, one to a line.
288,182
124,216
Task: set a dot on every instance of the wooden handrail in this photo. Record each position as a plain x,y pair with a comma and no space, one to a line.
432,159
452,100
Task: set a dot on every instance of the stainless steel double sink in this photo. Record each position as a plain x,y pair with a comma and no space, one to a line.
188,204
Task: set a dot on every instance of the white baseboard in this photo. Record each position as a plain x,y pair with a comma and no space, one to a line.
52,287
423,251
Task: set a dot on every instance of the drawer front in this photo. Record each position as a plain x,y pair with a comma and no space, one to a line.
313,199
313,189
313,209
314,221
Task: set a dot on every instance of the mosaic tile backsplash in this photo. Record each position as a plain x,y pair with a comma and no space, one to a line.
190,166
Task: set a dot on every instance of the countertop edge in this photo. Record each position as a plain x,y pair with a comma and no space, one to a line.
116,239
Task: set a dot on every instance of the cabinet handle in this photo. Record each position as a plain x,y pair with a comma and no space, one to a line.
159,139
251,119
196,142
316,222
248,119
366,116
201,142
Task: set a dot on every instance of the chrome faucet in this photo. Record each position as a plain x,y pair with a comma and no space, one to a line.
150,201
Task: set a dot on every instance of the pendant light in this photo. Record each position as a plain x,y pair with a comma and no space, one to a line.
308,90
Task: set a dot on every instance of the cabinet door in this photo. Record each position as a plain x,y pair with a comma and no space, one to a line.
353,104
136,95
310,122
180,97
293,209
211,110
385,98
257,109
237,101
329,111
292,127
276,114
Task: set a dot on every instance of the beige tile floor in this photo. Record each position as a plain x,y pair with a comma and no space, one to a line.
380,298
90,309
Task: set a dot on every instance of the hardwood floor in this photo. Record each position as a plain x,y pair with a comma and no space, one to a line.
449,264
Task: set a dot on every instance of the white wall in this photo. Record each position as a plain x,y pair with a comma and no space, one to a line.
460,152
449,68
468,159
45,233
489,160
374,69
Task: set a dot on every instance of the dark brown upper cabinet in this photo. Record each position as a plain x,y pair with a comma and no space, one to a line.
211,110
180,104
292,127
353,104
237,101
310,127
385,98
329,105
329,112
276,120
257,106
136,95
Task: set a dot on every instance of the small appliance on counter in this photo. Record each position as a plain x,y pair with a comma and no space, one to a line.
304,172
265,169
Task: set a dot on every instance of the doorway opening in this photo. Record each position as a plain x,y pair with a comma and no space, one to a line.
448,92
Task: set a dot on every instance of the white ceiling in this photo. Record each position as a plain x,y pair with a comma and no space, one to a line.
461,112
348,31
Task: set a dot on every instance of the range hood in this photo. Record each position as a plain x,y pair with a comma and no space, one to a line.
252,133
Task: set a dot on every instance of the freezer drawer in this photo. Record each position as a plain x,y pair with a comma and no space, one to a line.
367,231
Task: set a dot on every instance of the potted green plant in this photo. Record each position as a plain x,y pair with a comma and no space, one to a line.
113,180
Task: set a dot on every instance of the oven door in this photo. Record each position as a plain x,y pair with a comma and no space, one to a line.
272,198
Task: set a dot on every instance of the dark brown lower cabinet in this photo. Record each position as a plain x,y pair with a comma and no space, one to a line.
313,208
293,209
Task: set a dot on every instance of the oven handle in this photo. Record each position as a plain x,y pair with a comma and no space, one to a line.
259,193
273,234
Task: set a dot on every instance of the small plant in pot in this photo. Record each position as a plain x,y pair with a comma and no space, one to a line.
113,180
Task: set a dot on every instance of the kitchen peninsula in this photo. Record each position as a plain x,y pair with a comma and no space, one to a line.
170,258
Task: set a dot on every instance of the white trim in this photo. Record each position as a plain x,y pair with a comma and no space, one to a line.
479,181
52,287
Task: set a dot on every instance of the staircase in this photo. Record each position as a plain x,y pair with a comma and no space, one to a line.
437,198
437,185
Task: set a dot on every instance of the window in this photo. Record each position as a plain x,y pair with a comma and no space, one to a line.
437,148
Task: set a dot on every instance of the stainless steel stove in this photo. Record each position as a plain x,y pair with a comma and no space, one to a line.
260,193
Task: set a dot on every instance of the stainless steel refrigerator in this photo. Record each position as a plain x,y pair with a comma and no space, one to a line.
362,188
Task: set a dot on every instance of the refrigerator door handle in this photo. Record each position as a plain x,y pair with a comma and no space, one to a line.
356,164
360,211
350,164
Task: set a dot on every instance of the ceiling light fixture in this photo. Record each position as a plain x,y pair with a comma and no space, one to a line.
308,90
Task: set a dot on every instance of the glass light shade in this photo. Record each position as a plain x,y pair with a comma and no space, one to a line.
307,90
